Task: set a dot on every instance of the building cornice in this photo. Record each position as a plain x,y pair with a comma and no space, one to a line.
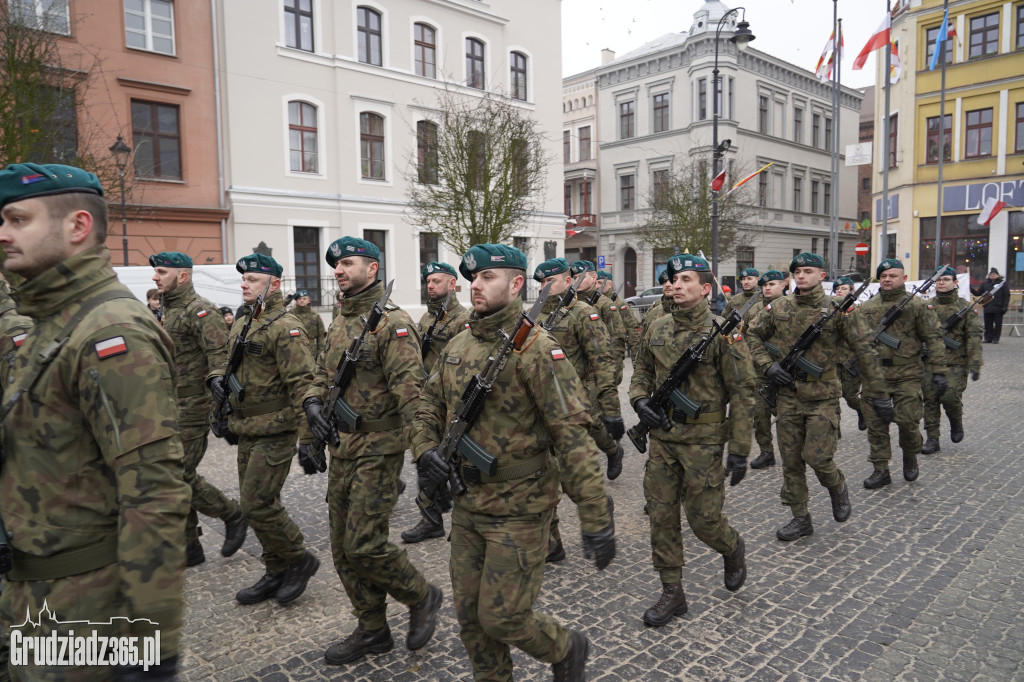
155,87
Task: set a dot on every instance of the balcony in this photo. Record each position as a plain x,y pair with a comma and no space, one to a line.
582,220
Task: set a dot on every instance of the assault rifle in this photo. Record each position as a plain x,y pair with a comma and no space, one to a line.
959,315
340,414
683,367
795,358
457,443
428,338
893,313
594,296
563,305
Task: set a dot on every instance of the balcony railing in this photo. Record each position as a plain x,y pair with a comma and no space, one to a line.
583,220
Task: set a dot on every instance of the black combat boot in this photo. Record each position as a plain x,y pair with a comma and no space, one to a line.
671,603
956,430
424,530
877,479
570,668
930,447
862,423
358,644
735,568
194,554
615,463
293,584
235,529
423,619
910,470
266,588
840,502
556,552
798,527
401,487
765,459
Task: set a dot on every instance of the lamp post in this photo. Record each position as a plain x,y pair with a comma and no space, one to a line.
740,37
121,153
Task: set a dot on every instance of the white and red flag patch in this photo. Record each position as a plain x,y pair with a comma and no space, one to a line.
595,316
401,331
294,332
19,339
111,347
202,313
557,354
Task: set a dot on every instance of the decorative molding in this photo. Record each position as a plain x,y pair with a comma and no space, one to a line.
155,87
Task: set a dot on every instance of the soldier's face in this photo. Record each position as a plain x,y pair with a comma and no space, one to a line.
749,283
890,279
493,289
945,284
438,285
588,282
353,273
842,290
666,288
302,301
606,286
166,279
807,277
34,241
559,283
773,288
687,291
255,283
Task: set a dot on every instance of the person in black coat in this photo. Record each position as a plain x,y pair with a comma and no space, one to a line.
996,308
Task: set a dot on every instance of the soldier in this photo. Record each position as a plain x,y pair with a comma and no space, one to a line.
91,489
535,423
963,351
917,332
591,293
13,330
685,460
771,283
808,405
275,371
311,322
366,463
200,343
629,322
847,367
439,280
662,307
748,287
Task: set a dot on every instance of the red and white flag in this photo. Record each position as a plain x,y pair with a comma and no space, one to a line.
749,177
992,207
718,182
827,60
878,40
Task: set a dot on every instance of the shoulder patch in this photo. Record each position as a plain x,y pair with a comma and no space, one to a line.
557,354
614,307
467,325
19,339
595,316
768,307
202,313
452,360
294,332
108,348
402,331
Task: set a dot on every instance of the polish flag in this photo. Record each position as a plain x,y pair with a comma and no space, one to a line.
879,39
718,182
992,207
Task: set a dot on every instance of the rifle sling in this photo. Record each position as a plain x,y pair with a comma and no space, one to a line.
522,469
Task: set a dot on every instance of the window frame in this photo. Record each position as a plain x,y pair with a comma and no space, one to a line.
585,150
933,137
426,167
815,130
140,136
627,120
763,113
147,33
702,99
517,73
660,109
302,129
983,40
373,139
627,192
826,195
828,133
566,147
1019,23
894,138
798,124
40,18
930,36
476,65
1018,146
298,13
798,200
815,191
978,129
365,50
586,197
420,49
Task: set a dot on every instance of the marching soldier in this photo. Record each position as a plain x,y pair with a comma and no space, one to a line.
91,489
311,322
963,350
917,332
13,330
748,287
590,291
200,338
771,283
847,368
662,307
535,411
685,461
367,461
629,322
275,371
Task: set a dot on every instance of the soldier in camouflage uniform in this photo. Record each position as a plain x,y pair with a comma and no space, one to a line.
847,367
535,423
275,371
311,322
963,351
200,338
685,460
917,332
366,463
13,329
629,322
590,291
808,404
748,287
771,283
661,307
91,489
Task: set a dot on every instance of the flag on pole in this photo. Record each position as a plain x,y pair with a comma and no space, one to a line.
718,182
827,61
879,39
992,207
895,65
749,177
940,38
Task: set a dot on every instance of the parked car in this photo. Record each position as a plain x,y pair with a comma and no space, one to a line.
646,299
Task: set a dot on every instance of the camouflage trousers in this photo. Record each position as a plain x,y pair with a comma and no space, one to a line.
497,567
694,475
263,466
207,499
361,493
951,400
762,420
597,431
851,387
808,433
908,406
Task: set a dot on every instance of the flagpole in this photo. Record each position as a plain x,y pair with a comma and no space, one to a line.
942,137
884,247
833,209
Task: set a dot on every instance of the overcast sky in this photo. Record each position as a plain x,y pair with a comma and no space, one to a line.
793,30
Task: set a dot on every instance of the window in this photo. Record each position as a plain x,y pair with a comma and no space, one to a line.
476,143
429,251
762,114
157,140
519,151
627,128
584,134
566,146
732,108
585,195
302,137
893,138
379,239
371,141
1020,27
627,192
815,185
45,15
932,144
567,207
149,25
984,35
518,75
762,190
426,152
1019,145
979,133
298,24
307,261
425,50
815,130
798,186
827,207
798,124
659,183
660,113
930,37
718,97
369,36
702,98
744,258
475,63
828,134
865,184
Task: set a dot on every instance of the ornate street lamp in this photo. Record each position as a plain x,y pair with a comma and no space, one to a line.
122,153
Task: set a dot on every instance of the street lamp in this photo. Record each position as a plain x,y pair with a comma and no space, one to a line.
741,37
121,153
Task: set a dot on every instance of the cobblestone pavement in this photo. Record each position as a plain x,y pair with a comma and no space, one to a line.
924,582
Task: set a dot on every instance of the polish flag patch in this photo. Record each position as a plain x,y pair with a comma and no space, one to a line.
557,354
19,339
294,332
614,308
111,347
202,313
467,325
595,316
401,331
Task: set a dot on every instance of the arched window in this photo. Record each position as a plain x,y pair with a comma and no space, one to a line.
302,137
475,63
426,152
371,142
517,62
369,36
425,50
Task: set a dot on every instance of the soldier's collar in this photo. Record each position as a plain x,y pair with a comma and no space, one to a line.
692,318
181,293
812,297
359,303
486,328
65,284
898,292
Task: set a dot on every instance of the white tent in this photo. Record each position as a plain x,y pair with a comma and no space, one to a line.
221,284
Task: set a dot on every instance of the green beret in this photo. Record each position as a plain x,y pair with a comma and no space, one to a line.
581,266
807,260
888,264
663,277
257,262
170,259
947,272
604,274
770,275
749,272
486,256
554,266
434,267
28,180
351,246
840,281
299,293
681,262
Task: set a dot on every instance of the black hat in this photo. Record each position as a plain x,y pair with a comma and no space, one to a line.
993,270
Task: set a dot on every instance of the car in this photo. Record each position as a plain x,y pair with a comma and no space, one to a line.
646,299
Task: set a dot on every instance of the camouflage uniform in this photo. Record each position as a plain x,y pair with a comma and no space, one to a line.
662,307
362,483
850,382
686,463
453,322
91,487
630,324
500,527
609,313
314,326
962,360
763,412
200,338
13,328
276,370
737,302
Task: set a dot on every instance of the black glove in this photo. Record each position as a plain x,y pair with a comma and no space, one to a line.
737,466
600,546
309,465
318,423
939,384
975,375
884,409
166,671
219,389
432,472
776,373
653,417
614,426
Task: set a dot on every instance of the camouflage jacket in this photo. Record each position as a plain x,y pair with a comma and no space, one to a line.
780,325
630,324
200,338
587,345
92,452
724,376
737,302
662,307
453,322
276,370
917,330
13,330
387,379
536,408
316,332
967,332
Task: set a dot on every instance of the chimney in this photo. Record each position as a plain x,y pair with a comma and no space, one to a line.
607,56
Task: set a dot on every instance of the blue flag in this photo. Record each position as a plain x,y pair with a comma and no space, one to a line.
940,39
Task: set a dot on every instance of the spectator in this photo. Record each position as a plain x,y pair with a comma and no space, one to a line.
229,315
996,308
153,301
